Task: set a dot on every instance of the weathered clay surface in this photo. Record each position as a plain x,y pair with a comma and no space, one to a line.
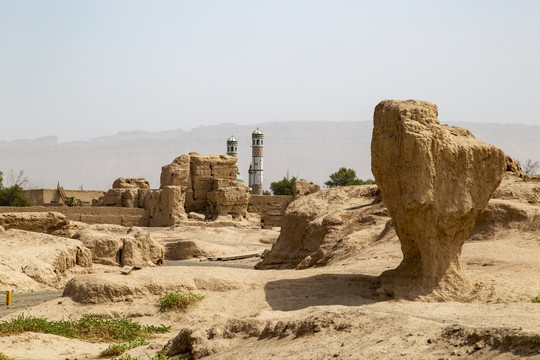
515,206
34,221
513,166
303,188
125,192
228,197
176,173
131,183
204,184
118,246
204,169
434,180
165,207
271,208
194,183
113,197
327,226
29,260
103,288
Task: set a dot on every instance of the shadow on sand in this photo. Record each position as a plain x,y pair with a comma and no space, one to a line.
325,289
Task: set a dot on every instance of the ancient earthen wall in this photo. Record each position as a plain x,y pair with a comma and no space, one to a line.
47,196
91,215
270,207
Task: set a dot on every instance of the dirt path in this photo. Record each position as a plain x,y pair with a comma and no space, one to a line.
22,300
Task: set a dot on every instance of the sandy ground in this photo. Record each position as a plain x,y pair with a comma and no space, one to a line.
320,313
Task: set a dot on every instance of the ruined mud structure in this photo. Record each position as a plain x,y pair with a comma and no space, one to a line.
196,187
203,185
434,180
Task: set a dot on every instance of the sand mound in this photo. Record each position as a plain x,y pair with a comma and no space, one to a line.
339,223
328,225
515,206
197,342
119,246
30,260
32,345
101,288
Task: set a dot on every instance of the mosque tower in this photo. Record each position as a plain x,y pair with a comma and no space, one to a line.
232,150
256,167
232,146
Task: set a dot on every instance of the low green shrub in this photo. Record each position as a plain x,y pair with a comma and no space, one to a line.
162,355
536,299
92,328
119,349
178,301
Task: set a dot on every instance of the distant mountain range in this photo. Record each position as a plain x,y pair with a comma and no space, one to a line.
308,150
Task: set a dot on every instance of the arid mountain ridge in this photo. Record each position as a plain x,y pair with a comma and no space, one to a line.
309,150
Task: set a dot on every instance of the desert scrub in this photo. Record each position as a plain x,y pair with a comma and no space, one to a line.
90,328
536,299
126,357
5,357
119,349
178,301
162,355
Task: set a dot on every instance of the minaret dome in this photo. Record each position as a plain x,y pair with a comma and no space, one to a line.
232,146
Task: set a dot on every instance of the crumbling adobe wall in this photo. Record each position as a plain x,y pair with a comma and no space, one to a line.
204,184
271,208
125,192
194,183
90,215
204,169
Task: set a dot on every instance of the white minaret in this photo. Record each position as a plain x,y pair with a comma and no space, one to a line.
232,146
256,167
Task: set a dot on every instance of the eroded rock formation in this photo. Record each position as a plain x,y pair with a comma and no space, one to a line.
328,225
118,246
303,188
514,206
30,260
43,222
434,180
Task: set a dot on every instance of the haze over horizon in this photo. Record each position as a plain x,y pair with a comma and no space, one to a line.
308,150
87,69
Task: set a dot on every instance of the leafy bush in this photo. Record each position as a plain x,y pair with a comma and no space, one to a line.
536,299
71,201
178,301
5,357
90,328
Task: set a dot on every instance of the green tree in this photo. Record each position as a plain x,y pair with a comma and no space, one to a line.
13,195
283,187
346,177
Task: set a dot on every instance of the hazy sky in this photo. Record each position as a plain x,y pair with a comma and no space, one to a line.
81,69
